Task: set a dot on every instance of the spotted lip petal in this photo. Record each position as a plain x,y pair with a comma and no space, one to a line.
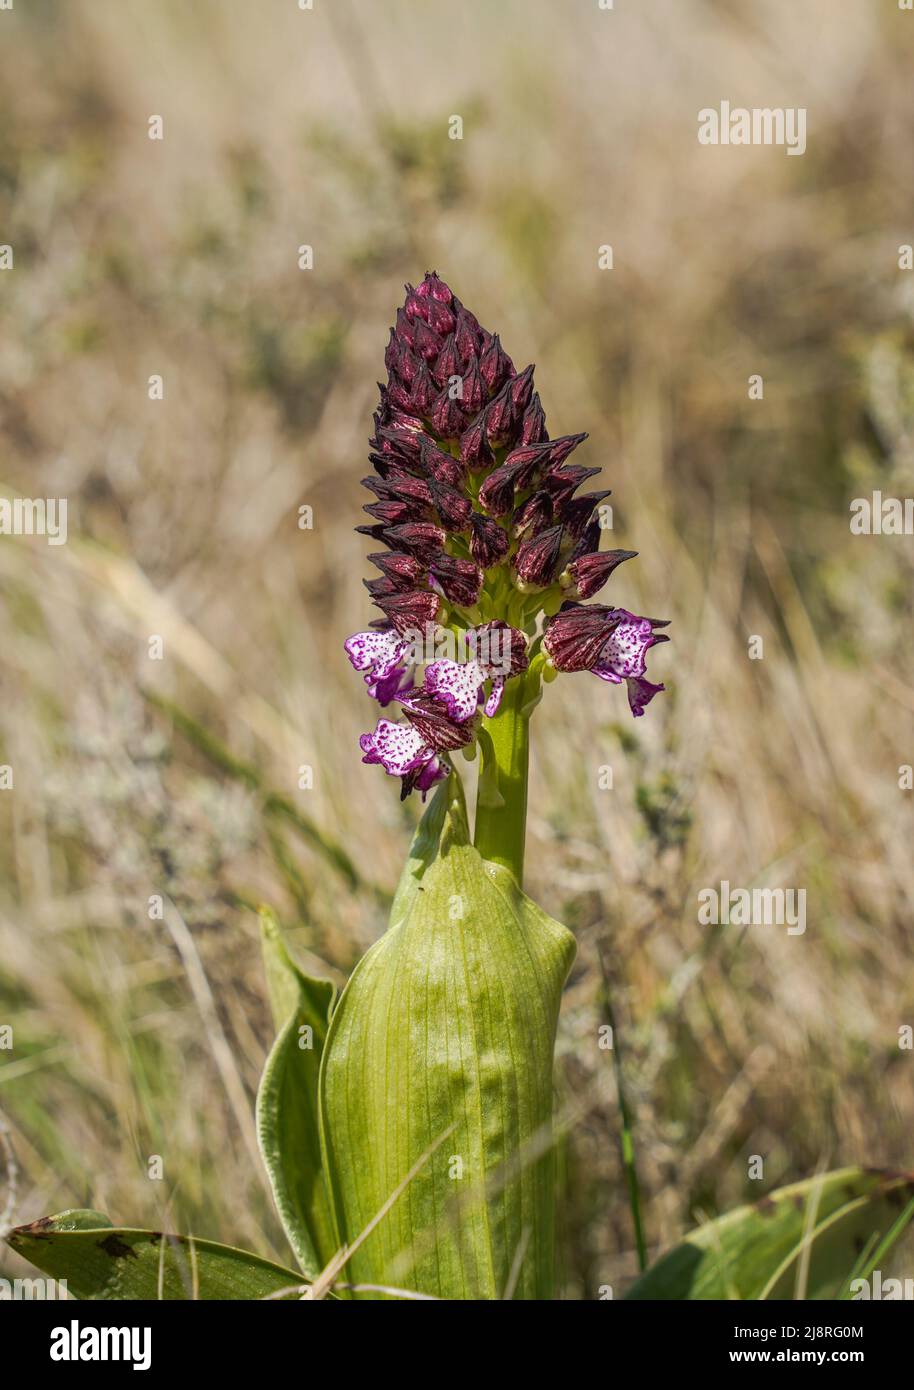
624,655
380,654
399,748
402,752
456,685
375,652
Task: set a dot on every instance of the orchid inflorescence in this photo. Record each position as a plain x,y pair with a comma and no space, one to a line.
487,544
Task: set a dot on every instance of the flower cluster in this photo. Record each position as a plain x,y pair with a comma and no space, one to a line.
485,534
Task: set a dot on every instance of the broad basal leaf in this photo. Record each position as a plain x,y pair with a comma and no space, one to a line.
101,1261
439,1055
287,1106
801,1241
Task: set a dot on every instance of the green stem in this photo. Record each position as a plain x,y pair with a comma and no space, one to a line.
501,828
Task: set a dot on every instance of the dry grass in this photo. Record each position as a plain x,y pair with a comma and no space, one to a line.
134,257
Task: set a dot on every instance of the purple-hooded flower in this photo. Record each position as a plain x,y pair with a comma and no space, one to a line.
402,752
381,656
610,642
499,652
625,652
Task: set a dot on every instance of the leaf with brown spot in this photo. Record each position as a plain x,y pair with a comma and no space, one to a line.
99,1261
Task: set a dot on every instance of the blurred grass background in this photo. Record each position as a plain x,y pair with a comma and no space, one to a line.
180,777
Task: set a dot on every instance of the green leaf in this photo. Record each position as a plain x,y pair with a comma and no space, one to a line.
101,1261
439,1056
288,1128
801,1241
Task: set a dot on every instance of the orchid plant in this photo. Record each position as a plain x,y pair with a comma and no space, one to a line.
406,1125
489,550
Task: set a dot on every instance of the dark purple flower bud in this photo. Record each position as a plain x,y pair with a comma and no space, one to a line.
423,391
560,483
530,460
474,389
468,335
417,304
398,394
406,328
537,560
404,571
534,515
520,389
411,611
446,416
587,574
559,449
447,363
533,426
454,510
377,533
401,487
459,580
496,495
426,343
500,416
392,352
391,513
394,466
433,287
576,512
495,364
408,367
488,542
440,317
421,539
400,441
380,588
474,445
590,539
399,360
437,464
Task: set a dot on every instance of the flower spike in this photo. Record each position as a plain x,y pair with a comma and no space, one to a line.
487,539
